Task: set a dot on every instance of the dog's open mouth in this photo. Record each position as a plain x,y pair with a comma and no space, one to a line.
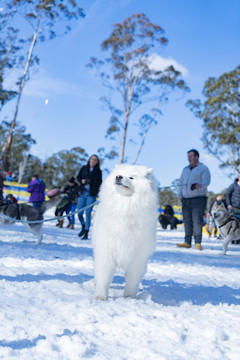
215,216
119,183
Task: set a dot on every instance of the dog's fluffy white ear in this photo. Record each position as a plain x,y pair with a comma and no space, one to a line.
149,172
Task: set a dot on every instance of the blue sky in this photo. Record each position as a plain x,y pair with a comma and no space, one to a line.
60,105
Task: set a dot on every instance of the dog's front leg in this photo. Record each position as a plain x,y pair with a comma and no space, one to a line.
226,241
104,271
39,241
133,276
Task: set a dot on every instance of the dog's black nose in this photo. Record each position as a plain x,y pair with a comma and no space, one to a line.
119,177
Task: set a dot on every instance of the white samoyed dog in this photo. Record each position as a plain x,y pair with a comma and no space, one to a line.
124,228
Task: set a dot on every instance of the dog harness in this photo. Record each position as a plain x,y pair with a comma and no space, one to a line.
232,219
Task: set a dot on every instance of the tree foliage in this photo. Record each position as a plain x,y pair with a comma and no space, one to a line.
62,165
31,165
21,145
133,82
220,113
43,16
168,195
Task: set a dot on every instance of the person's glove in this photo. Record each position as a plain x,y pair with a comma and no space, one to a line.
193,186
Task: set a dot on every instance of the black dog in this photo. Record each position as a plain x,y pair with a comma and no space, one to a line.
168,218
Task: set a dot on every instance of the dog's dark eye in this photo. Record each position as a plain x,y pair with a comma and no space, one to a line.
130,177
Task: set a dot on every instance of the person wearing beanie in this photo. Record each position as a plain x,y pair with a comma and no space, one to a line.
9,176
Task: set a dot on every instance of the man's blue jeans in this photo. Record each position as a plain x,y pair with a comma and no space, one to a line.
193,212
84,200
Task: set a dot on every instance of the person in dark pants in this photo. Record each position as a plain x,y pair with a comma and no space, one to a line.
90,179
192,191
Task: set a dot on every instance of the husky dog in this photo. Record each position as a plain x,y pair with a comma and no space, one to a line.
124,228
227,224
27,212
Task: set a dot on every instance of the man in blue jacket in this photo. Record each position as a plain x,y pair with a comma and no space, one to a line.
192,190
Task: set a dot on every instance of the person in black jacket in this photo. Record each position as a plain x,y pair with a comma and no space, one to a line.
90,179
233,196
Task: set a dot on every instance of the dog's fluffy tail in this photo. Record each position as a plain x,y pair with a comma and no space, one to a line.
50,203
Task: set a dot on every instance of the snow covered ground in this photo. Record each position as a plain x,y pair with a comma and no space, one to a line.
188,305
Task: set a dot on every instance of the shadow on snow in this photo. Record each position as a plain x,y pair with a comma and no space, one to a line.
81,278
22,344
173,294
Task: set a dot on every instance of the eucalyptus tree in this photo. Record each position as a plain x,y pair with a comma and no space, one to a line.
64,164
29,166
168,197
220,115
21,145
135,86
44,17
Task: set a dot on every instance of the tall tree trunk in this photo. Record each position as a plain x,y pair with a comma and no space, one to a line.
128,104
124,138
13,124
7,146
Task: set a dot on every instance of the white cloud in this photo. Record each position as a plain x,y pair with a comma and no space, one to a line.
157,62
44,85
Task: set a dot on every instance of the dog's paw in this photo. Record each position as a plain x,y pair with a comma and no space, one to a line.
222,253
100,297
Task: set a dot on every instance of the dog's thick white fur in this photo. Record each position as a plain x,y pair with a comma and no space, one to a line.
124,228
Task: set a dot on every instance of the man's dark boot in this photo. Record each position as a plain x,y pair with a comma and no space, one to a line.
82,232
85,237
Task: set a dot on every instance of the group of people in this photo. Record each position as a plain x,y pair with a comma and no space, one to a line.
192,191
80,193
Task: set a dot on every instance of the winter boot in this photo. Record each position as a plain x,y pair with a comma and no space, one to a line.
184,245
60,223
85,237
69,224
72,227
82,232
